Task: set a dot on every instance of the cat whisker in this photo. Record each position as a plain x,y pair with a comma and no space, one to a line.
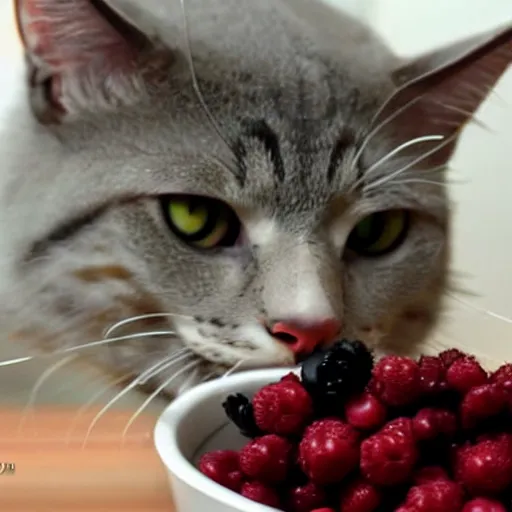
189,367
143,377
215,125
398,149
96,396
139,318
411,164
480,309
37,387
235,367
18,360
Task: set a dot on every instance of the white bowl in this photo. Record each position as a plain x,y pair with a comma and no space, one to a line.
196,423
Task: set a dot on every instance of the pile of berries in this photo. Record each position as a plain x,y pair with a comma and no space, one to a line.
398,435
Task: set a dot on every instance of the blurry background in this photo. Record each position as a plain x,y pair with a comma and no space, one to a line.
482,196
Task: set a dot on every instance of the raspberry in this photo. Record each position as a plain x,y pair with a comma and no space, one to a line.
432,375
323,510
290,377
396,380
436,496
503,377
266,459
448,357
283,408
483,505
388,457
365,412
402,426
482,402
430,474
360,496
261,493
465,373
432,423
306,498
485,467
329,450
223,467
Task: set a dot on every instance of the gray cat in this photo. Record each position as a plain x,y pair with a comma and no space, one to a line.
259,177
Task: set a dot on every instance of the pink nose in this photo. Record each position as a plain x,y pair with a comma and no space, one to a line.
305,338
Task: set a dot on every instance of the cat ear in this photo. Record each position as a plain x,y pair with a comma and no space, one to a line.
83,55
439,93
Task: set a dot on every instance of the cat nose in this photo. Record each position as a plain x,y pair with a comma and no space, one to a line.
304,338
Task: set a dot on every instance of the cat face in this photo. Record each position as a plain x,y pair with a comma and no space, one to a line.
251,189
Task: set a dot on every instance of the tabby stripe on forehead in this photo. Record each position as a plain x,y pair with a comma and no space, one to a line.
344,142
260,130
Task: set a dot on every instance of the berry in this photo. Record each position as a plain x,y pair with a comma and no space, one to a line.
430,474
266,459
223,467
485,467
388,457
432,423
436,496
401,426
323,510
334,375
239,410
360,496
432,375
448,357
365,412
465,373
283,408
260,493
329,450
503,375
481,403
396,380
483,505
290,377
306,498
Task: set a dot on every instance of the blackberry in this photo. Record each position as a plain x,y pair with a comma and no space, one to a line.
333,376
239,410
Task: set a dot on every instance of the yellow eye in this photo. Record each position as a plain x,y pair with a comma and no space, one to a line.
379,233
201,222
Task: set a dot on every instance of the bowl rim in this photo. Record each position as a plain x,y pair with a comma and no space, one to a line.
168,423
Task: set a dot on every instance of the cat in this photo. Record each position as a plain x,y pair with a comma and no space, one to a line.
252,180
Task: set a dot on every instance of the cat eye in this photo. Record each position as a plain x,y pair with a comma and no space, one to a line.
379,233
201,222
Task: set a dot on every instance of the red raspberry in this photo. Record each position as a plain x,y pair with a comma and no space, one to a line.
503,377
266,459
483,505
431,423
482,402
261,493
430,474
365,412
360,496
432,374
306,498
465,373
448,357
437,496
290,377
323,510
329,450
396,380
402,426
223,467
283,408
388,457
485,467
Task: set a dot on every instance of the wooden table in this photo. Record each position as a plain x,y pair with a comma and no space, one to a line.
44,465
